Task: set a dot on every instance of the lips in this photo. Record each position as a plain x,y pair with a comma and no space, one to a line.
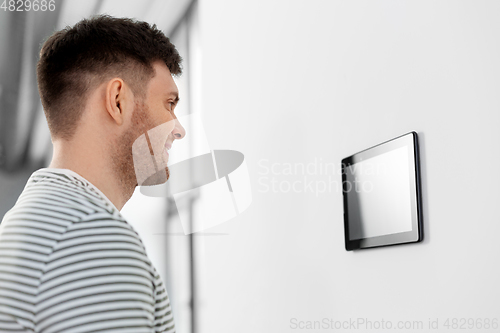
165,152
168,146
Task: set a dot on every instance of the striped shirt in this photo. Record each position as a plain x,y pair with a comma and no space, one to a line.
69,262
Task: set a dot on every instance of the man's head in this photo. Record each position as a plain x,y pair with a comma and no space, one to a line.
77,59
104,84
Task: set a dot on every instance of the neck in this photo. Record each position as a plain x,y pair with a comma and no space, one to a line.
93,163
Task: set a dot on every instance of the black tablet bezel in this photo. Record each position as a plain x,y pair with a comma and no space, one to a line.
416,234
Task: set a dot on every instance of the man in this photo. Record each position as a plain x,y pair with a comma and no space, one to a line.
69,262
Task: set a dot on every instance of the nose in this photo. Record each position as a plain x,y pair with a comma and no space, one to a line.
178,132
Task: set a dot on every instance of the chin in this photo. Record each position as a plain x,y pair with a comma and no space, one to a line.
157,178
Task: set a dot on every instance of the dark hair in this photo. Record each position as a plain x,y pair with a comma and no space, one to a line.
75,60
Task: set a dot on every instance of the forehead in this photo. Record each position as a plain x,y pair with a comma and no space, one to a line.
162,84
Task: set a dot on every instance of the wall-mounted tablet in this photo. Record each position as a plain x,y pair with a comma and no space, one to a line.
382,195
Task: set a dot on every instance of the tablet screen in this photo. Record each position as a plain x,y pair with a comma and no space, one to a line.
381,194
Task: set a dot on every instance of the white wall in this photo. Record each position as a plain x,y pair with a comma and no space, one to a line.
295,81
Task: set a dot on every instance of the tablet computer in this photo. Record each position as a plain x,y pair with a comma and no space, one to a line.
382,195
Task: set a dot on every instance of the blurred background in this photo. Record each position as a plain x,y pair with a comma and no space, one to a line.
298,85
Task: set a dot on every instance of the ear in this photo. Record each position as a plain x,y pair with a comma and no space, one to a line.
117,100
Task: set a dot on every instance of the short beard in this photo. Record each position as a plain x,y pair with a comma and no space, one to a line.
122,156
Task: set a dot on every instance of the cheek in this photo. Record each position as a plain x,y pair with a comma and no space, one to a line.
165,120
169,117
159,134
159,117
157,137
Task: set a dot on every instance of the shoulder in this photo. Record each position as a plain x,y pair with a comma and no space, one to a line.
92,265
54,205
65,188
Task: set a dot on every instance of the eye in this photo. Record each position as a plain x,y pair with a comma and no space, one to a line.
172,106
